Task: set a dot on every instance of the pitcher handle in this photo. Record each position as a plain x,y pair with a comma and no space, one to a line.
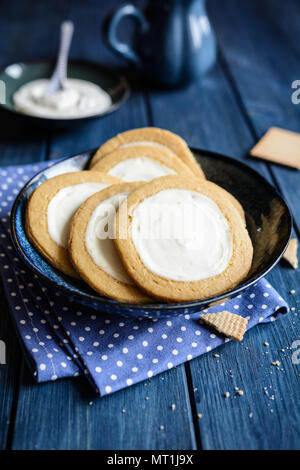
110,31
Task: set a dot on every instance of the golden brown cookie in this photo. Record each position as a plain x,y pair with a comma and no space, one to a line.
210,255
151,136
142,163
233,201
92,249
51,207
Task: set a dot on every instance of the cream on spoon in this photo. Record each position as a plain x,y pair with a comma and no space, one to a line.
60,97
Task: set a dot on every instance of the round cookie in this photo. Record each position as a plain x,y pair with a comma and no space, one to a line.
233,201
151,136
182,240
142,163
51,208
92,249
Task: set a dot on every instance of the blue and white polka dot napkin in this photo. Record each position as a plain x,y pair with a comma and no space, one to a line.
62,339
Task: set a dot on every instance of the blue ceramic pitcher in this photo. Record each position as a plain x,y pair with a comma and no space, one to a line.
173,42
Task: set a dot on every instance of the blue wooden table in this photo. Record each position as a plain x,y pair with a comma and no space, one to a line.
248,91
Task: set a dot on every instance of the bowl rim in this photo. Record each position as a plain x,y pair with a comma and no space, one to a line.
153,306
123,82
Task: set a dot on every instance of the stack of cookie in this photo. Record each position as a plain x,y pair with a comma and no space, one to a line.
142,223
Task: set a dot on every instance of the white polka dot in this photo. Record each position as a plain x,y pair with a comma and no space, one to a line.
119,363
145,343
121,324
95,344
54,377
108,389
125,350
208,348
260,319
81,338
116,335
250,306
139,356
131,337
150,373
189,357
64,364
164,336
28,337
150,330
236,307
159,348
113,377
42,366
129,382
104,357
134,369
170,365
110,346
101,332
194,345
49,355
98,369
212,335
169,323
155,361
89,353
179,340
87,328
175,352
197,332
266,294
22,322
264,306
34,350
183,328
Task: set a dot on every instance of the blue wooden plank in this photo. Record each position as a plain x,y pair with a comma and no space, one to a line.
67,416
266,90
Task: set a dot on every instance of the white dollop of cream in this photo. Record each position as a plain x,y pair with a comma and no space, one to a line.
181,235
144,142
99,242
140,169
63,206
79,98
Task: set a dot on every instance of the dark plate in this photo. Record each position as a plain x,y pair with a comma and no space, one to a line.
268,220
16,75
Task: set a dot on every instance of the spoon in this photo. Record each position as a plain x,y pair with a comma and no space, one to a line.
59,75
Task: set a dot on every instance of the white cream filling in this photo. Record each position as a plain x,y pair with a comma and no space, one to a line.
144,142
140,169
181,235
98,238
79,98
63,206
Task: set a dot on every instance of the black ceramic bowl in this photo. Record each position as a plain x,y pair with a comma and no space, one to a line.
268,220
16,75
